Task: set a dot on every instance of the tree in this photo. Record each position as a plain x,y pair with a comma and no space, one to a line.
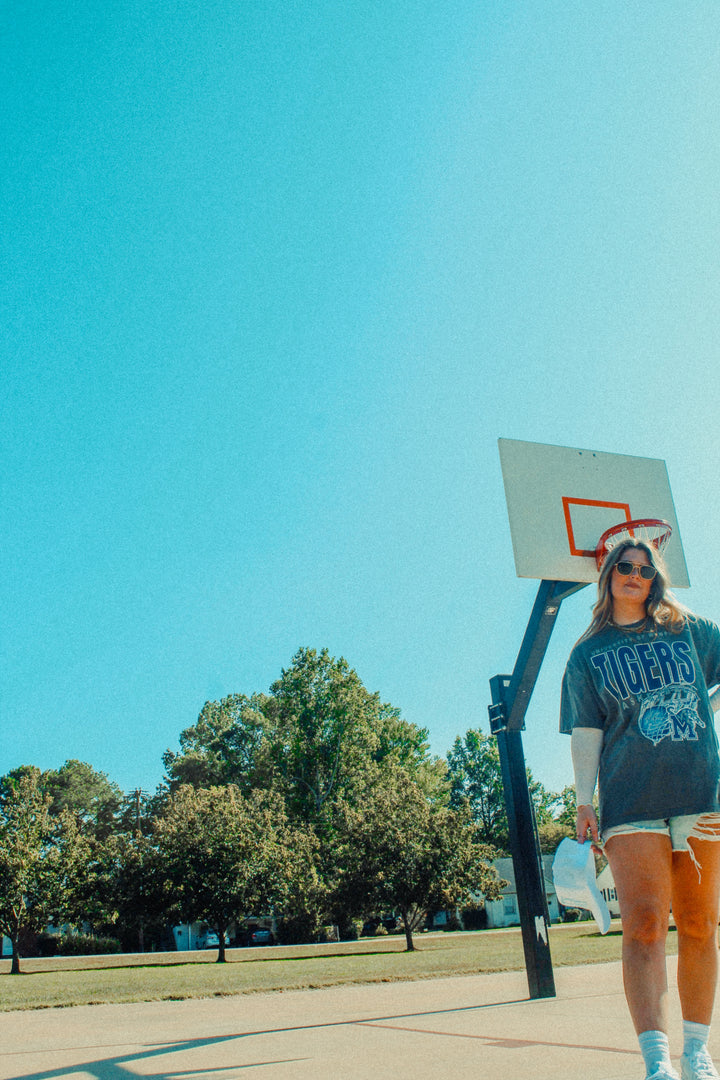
230,855
227,745
405,852
475,775
331,739
41,858
90,795
312,738
315,740
324,729
140,891
404,745
550,835
566,807
101,814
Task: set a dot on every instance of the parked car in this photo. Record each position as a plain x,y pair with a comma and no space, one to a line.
261,936
212,940
389,923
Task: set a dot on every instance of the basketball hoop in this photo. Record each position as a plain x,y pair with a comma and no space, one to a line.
653,531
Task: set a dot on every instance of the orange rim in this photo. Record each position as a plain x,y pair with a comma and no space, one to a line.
662,531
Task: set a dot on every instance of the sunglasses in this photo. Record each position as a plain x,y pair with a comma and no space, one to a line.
625,569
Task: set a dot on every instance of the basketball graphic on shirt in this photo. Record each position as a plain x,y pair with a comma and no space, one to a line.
655,723
671,715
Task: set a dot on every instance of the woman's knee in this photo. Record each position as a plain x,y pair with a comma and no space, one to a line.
645,924
696,923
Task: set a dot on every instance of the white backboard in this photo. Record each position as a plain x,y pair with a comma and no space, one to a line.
560,500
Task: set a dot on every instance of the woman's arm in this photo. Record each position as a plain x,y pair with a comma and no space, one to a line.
586,745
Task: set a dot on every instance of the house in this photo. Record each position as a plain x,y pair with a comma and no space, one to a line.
198,935
606,885
190,936
505,912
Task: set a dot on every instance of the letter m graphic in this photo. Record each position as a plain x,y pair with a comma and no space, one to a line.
683,726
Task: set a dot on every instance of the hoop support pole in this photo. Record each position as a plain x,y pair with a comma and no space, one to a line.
549,597
510,696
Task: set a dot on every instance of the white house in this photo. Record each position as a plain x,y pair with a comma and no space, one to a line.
606,885
505,912
197,935
190,936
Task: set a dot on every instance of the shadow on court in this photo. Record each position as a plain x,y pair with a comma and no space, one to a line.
475,1026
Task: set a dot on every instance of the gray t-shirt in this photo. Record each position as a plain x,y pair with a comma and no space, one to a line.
648,691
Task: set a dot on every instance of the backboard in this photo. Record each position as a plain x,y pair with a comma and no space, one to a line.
560,500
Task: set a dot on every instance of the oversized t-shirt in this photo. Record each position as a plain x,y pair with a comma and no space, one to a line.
647,690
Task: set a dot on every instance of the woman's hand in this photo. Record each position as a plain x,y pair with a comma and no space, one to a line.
587,822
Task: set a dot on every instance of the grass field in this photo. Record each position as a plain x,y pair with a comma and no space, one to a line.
65,981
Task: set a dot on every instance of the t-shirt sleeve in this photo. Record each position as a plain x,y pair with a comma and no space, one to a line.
580,704
711,654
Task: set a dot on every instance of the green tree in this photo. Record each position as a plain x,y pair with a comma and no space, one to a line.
42,857
566,807
331,739
329,734
98,808
90,795
325,729
402,744
230,855
475,776
141,894
312,738
551,833
317,739
407,853
227,745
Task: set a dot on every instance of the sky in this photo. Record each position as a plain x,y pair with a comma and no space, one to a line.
275,277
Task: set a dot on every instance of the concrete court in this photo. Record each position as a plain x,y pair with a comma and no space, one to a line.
482,1026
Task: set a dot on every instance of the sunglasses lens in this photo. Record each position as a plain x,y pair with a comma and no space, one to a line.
626,569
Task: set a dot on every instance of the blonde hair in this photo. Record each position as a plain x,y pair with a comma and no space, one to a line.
661,606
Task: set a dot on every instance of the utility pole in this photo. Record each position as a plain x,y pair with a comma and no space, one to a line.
136,798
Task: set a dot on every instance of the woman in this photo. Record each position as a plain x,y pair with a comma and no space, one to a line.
635,698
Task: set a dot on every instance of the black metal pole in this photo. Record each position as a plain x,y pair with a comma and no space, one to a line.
510,698
532,905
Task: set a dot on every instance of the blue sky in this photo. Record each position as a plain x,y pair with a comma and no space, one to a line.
275,278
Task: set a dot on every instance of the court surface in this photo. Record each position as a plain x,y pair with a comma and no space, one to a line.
482,1026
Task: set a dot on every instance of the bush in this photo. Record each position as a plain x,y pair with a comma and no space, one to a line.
85,945
351,929
474,918
47,944
571,914
328,933
297,930
157,937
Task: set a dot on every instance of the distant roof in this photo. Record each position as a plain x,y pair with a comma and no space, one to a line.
505,870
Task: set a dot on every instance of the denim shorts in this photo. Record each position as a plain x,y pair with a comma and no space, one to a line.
679,829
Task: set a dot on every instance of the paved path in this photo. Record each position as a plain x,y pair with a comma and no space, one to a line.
477,1027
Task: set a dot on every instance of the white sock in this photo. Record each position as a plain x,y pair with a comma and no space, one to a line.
655,1049
695,1036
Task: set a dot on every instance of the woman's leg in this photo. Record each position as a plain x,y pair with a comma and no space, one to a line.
695,910
642,868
